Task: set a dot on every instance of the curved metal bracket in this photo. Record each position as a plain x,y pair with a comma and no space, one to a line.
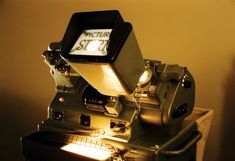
185,148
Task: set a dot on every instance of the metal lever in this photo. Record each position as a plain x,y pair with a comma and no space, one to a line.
185,148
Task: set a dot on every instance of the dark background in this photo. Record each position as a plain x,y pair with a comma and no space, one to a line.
199,34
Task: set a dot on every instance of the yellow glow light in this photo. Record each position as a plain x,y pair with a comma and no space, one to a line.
91,152
145,77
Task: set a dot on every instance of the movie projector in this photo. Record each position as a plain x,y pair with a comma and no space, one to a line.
110,103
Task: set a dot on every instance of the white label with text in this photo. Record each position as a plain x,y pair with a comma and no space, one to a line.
92,42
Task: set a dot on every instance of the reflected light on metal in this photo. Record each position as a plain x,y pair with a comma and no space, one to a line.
87,151
111,80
